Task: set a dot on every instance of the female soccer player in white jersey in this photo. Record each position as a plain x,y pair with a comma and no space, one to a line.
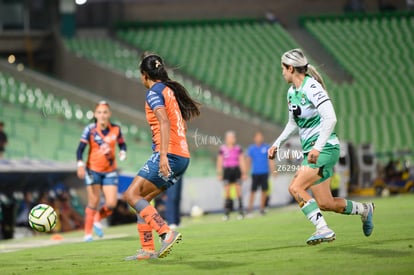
311,112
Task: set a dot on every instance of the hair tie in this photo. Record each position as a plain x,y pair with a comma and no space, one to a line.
157,64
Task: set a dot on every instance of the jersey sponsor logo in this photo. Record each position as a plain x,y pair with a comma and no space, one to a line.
295,109
150,99
108,139
319,95
156,101
313,86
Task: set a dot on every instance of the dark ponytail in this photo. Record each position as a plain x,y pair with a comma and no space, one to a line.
154,67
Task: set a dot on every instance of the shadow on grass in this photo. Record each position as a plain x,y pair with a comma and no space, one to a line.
207,264
373,250
376,252
250,250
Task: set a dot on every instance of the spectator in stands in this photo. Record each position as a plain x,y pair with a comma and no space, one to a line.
8,208
335,184
231,169
311,113
386,6
69,218
410,5
271,17
390,170
100,172
123,213
3,139
24,208
260,167
354,6
159,204
45,198
172,204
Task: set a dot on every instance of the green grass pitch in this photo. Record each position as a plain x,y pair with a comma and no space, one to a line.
273,244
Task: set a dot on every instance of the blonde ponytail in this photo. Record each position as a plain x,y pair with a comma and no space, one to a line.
315,74
298,60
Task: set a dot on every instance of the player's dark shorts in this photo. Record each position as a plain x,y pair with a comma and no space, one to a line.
107,178
150,170
262,181
231,175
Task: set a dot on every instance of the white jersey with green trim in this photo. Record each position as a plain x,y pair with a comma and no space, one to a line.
303,105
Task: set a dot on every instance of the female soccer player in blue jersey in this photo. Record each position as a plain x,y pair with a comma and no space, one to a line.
312,113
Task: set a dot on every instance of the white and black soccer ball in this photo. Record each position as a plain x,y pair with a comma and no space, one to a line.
42,218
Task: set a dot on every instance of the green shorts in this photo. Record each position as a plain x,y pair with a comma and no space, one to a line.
326,161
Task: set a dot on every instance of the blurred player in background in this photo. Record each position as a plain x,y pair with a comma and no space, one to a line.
231,169
312,113
3,139
100,172
168,106
172,204
260,167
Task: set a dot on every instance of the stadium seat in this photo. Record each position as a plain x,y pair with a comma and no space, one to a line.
240,61
378,53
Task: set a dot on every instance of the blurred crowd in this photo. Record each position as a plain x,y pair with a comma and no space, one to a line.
69,207
396,169
15,209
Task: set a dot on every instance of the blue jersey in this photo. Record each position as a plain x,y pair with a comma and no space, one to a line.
258,156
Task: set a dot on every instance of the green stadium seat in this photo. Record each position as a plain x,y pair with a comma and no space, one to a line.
230,57
374,51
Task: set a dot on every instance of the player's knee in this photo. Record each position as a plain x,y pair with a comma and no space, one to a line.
294,189
129,197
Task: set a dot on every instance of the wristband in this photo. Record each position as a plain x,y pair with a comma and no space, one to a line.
122,155
80,164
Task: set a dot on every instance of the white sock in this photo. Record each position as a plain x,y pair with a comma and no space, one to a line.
354,208
313,213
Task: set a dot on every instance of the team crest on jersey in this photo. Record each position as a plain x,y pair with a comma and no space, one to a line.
303,100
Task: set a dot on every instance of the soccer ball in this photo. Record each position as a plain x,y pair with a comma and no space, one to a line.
42,218
196,211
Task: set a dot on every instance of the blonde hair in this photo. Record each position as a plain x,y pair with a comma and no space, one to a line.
297,59
230,133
